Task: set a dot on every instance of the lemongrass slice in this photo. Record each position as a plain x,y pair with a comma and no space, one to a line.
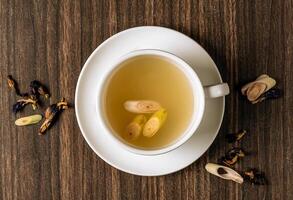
155,122
32,119
224,172
133,130
142,106
255,89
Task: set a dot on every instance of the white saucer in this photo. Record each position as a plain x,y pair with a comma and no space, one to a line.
147,37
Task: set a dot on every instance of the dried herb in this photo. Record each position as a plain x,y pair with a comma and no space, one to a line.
51,114
271,94
28,120
38,89
255,177
224,172
233,137
231,157
21,103
13,85
255,89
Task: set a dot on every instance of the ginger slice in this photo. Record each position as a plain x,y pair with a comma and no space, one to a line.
142,106
155,122
134,129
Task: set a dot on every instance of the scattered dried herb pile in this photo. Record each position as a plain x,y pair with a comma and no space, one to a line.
256,91
224,168
36,91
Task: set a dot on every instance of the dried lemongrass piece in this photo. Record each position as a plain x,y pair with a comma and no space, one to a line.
32,119
133,130
155,122
224,172
255,89
142,106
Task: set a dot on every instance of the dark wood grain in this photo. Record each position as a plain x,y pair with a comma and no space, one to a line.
51,40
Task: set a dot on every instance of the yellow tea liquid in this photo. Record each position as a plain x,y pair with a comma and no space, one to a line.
149,78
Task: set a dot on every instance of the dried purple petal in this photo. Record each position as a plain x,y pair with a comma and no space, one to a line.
233,137
231,157
21,103
271,94
18,106
51,113
38,89
254,176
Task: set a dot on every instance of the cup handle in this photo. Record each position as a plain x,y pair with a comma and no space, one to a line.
215,91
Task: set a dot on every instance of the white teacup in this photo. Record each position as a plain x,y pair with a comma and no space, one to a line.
199,91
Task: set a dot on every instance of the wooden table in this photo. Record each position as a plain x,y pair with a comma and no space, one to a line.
50,41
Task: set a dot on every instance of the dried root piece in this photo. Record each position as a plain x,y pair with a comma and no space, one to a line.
224,172
21,103
156,121
33,119
233,137
232,156
51,114
142,106
133,130
255,177
38,89
255,89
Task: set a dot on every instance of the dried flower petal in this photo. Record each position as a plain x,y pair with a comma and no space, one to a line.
21,103
231,157
10,81
18,106
13,85
255,89
38,89
255,177
51,113
233,137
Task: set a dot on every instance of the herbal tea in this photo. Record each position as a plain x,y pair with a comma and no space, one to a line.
158,85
